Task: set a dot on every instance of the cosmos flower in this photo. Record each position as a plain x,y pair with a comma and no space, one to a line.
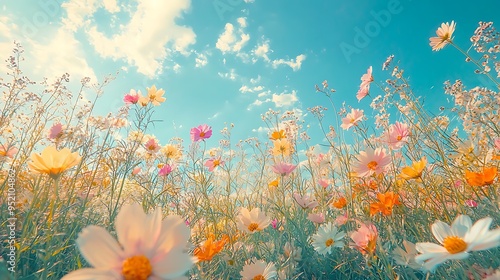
274,183
259,270
155,96
407,255
53,162
444,34
324,182
147,247
213,163
252,221
457,241
340,203
365,238
152,145
209,248
276,135
327,237
385,204
371,162
171,151
282,147
166,169
200,132
56,131
352,119
283,168
136,170
364,87
480,179
132,97
8,151
305,202
397,136
414,171
317,218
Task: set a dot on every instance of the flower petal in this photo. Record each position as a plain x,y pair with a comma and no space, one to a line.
99,248
441,230
92,274
461,225
130,225
175,264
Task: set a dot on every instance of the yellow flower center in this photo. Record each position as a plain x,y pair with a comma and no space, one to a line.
372,165
399,137
259,277
253,226
202,134
454,244
137,268
329,242
216,163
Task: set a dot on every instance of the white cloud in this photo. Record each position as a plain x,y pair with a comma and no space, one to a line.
77,12
262,51
176,68
295,65
231,75
149,38
285,99
256,80
111,6
228,43
245,89
201,60
249,1
261,129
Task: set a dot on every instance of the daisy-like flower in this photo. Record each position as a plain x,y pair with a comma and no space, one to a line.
407,255
324,182
365,238
317,218
414,171
282,147
371,162
283,168
8,151
259,270
147,247
364,87
305,202
327,237
155,96
397,136
152,145
457,241
53,162
252,221
171,151
340,203
56,131
352,119
292,252
276,135
444,34
480,179
132,97
274,183
213,163
385,204
209,248
200,132
165,170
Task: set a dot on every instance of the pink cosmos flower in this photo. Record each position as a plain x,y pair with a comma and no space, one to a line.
132,97
371,162
166,169
274,223
471,203
352,119
323,160
497,143
364,87
397,135
306,202
324,183
55,131
136,170
283,168
8,151
317,218
365,238
152,145
201,132
213,163
341,219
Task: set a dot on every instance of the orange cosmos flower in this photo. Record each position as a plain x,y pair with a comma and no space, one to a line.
274,183
210,248
340,203
480,179
385,204
53,162
414,171
276,135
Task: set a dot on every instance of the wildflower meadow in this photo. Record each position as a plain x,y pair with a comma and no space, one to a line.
89,196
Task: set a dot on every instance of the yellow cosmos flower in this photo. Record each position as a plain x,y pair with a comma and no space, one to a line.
53,162
282,147
155,96
414,171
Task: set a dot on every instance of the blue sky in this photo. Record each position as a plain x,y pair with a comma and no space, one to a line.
229,61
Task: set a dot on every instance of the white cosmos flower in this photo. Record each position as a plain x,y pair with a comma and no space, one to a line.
259,270
457,241
328,236
147,248
252,221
